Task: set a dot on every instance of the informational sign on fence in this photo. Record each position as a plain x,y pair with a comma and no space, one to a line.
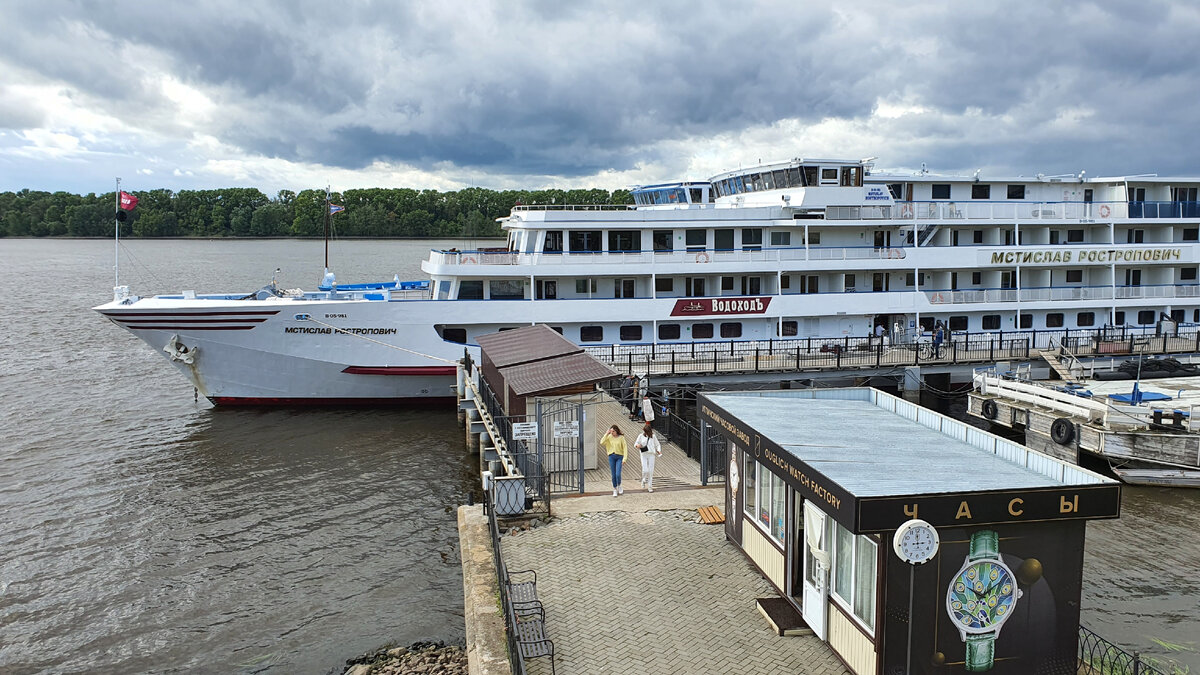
566,429
525,431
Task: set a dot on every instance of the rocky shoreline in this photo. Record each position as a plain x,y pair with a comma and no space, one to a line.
419,658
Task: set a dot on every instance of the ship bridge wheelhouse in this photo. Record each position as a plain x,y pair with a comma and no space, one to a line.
673,194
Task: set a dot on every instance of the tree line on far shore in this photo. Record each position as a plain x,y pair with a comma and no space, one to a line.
247,212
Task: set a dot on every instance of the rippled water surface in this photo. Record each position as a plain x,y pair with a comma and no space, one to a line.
145,531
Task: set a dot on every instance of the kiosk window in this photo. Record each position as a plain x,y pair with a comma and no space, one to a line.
854,574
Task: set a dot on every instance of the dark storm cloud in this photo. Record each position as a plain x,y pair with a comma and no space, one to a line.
543,88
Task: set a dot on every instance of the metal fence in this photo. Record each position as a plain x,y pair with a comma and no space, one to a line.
1098,656
489,509
797,354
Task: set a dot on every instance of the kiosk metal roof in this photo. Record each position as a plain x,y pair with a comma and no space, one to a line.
868,448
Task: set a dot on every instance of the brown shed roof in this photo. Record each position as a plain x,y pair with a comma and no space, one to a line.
526,345
556,373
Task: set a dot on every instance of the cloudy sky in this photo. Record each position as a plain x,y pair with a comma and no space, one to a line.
295,94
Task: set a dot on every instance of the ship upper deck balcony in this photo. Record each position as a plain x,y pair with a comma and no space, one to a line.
1015,211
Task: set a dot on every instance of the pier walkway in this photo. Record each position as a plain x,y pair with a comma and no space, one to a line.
637,584
673,469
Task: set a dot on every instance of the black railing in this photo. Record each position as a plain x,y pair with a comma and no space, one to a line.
687,437
815,353
489,509
1098,656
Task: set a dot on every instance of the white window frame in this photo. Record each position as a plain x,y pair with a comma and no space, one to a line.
860,544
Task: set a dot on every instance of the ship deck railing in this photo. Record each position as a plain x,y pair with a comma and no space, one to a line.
1014,211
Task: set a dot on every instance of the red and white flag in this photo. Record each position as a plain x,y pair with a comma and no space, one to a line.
128,201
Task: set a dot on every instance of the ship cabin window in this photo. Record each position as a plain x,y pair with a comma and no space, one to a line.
1119,318
1133,277
1026,321
702,331
1074,236
794,177
958,323
781,238
631,333
1182,194
1187,273
1177,315
1135,236
1139,195
624,288
1191,234
456,335
896,190
443,290
768,180
752,239
849,282
726,283
1196,316
696,240
789,328
751,285
991,322
668,331
851,176
732,329
694,287
505,329
470,290
1016,192
808,284
829,176
1054,236
586,241
621,241
785,281
1146,316
554,242
927,324
940,191
557,329
697,195
664,284
810,175
723,240
546,289
1074,276
814,238
980,191
977,237
585,286
1085,319
663,240
976,278
507,289
591,333
1054,320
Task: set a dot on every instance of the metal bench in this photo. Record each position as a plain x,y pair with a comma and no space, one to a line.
523,589
529,632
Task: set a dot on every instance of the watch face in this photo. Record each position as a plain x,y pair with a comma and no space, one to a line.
981,596
918,543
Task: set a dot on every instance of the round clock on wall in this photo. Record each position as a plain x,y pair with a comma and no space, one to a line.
915,542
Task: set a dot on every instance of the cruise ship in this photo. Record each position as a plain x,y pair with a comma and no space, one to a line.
779,251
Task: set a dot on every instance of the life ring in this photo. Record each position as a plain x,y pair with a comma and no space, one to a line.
702,257
989,409
938,298
469,260
895,253
1062,431
1104,210
906,211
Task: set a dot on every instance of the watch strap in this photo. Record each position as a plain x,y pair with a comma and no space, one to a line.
984,544
981,652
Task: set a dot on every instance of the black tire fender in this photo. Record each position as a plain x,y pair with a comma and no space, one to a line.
990,410
1062,431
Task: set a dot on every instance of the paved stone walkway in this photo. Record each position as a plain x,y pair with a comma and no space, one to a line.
643,590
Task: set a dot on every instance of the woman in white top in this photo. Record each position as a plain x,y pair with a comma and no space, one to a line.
649,448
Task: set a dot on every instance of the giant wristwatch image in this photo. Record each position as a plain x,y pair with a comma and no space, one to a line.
980,599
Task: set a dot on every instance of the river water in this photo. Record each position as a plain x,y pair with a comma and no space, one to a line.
145,531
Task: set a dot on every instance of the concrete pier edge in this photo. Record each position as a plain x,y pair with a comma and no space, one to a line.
487,644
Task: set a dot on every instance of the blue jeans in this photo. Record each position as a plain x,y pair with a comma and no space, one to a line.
615,462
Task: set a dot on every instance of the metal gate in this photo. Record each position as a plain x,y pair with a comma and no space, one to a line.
562,424
714,455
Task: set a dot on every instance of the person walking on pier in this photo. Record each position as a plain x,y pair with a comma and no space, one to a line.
635,397
938,336
613,441
647,410
650,449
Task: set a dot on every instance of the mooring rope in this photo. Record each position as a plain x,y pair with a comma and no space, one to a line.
384,344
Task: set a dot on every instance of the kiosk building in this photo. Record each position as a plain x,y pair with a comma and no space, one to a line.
820,481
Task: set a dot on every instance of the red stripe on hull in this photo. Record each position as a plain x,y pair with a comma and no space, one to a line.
423,401
401,370
178,320
189,328
166,314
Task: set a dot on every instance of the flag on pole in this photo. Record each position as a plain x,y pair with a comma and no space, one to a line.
334,208
128,201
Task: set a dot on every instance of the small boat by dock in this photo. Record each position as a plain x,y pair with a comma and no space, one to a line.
1149,437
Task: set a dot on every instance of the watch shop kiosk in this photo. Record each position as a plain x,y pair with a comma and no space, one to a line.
909,541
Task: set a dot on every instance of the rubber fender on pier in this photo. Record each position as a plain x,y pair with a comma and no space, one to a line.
990,410
1062,431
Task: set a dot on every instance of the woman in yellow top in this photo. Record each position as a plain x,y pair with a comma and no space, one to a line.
614,442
